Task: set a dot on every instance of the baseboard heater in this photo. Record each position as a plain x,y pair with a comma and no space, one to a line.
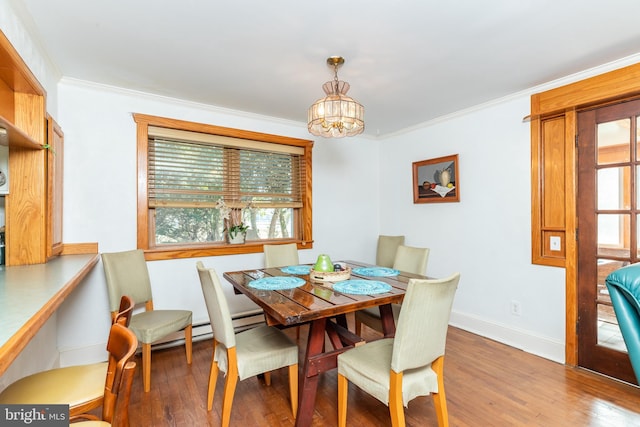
203,331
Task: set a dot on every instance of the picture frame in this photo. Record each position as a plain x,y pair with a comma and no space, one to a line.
429,177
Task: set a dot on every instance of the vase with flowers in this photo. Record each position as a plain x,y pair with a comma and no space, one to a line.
234,226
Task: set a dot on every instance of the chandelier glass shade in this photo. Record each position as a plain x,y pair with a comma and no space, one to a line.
336,115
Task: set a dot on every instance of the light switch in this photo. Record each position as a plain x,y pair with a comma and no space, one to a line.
554,243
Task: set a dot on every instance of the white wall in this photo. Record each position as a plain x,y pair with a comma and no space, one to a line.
487,235
100,202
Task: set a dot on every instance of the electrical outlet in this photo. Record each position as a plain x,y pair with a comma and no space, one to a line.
516,309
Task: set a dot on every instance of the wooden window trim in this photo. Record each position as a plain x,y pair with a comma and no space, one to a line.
144,225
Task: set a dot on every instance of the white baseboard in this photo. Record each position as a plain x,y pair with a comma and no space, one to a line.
201,331
506,334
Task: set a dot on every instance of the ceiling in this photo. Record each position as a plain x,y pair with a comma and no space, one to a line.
407,61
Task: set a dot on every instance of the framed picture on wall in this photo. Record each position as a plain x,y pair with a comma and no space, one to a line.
436,180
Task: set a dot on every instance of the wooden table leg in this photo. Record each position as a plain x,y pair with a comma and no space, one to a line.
341,320
386,318
309,377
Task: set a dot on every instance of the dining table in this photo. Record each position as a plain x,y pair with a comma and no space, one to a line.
291,296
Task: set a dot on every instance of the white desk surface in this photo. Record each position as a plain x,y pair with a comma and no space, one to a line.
30,294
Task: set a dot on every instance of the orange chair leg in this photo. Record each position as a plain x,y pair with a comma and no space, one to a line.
146,367
293,388
213,378
343,388
229,386
267,378
396,410
188,342
227,401
439,398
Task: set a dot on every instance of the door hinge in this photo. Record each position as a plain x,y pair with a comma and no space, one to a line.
576,140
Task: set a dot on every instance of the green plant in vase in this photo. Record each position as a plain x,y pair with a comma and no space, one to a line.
235,228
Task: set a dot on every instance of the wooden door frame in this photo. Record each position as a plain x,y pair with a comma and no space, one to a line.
566,101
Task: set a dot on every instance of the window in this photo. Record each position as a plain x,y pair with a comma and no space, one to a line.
185,171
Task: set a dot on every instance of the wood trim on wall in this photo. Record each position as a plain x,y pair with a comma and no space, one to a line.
564,103
597,90
571,244
79,248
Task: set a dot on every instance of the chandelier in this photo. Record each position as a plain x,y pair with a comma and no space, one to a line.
336,115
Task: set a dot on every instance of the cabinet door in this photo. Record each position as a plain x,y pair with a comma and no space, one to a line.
55,163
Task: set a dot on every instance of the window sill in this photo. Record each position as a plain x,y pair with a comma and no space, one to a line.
157,254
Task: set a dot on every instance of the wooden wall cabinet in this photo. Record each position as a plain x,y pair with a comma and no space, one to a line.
27,209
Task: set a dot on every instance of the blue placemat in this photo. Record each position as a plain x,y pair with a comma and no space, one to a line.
296,269
362,287
375,271
277,283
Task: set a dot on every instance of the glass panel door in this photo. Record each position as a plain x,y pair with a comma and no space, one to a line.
608,210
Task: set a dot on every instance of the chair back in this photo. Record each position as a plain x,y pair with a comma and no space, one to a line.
122,345
412,260
126,273
217,306
120,413
421,332
624,290
123,316
281,255
387,248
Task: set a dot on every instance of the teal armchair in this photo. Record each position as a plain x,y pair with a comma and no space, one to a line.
624,289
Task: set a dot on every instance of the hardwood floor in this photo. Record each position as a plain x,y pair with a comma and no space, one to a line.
487,384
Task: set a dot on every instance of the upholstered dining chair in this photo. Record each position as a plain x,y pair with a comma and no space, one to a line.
126,273
122,346
411,259
408,259
624,289
255,351
281,255
396,370
79,386
386,250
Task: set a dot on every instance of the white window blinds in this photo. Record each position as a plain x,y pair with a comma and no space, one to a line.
191,169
